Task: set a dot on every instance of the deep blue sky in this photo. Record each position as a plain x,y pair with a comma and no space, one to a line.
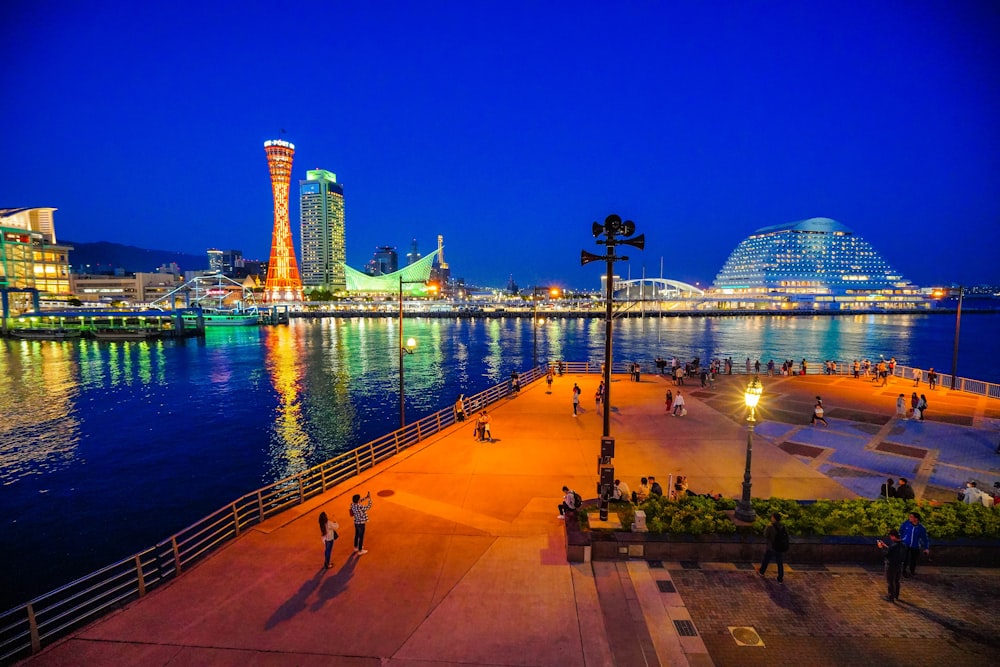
509,127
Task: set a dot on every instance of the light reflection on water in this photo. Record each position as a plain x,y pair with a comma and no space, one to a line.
114,446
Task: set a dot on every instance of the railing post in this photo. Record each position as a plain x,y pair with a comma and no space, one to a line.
395,441
140,576
357,463
419,436
322,476
36,641
260,506
236,520
177,554
302,490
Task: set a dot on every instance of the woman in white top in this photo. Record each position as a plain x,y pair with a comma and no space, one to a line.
328,529
679,408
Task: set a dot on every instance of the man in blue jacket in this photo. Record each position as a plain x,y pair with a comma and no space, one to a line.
913,534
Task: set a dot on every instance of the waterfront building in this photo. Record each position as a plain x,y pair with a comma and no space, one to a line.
441,272
283,283
31,257
321,205
414,277
129,289
817,263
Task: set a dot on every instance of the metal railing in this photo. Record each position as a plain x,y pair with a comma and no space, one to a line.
26,629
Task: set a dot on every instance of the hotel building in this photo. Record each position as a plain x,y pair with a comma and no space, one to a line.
321,205
30,256
816,263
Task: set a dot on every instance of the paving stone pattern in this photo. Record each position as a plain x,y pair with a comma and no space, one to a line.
840,617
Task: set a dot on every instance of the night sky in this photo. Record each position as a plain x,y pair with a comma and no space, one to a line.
509,127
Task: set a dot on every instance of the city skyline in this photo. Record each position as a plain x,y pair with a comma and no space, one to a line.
509,128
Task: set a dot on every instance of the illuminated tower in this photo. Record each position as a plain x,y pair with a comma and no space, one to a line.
283,283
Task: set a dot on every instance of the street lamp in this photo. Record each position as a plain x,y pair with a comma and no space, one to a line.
744,510
404,350
554,292
613,226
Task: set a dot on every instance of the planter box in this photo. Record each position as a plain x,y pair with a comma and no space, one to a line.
582,545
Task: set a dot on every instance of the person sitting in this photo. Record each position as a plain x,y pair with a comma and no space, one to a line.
621,491
904,490
974,496
888,490
641,494
654,487
680,487
569,503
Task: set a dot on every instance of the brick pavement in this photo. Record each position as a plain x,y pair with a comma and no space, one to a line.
838,616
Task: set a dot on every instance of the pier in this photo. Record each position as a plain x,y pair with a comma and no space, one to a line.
467,562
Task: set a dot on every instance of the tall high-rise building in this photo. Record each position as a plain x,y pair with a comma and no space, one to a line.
384,261
283,283
321,202
414,255
215,260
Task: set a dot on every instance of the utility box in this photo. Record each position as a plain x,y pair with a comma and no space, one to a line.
607,475
607,448
639,525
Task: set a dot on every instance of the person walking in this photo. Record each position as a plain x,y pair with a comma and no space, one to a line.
599,396
778,542
485,420
901,407
359,512
916,375
818,412
895,555
548,381
669,400
576,397
679,409
932,379
914,535
328,529
914,402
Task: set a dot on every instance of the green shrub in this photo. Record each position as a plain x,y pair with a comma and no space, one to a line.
696,515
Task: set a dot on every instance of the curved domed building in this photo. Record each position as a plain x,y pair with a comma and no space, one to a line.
814,263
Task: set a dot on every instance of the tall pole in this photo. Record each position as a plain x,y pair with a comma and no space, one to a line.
534,326
958,326
402,351
744,508
608,314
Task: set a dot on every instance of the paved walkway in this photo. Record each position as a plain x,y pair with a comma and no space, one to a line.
467,564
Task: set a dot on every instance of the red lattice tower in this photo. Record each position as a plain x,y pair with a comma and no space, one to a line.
283,282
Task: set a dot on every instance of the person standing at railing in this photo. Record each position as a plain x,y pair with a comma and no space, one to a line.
916,376
359,512
932,379
328,529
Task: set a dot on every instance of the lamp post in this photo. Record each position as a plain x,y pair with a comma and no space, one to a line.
404,350
553,291
613,226
744,509
958,328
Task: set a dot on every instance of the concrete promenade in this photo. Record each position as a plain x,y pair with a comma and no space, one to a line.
467,562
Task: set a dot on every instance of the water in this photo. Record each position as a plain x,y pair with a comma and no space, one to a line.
107,448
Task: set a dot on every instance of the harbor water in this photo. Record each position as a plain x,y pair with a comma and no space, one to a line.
107,448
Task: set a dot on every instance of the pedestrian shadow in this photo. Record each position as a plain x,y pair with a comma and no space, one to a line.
336,584
785,597
296,603
960,630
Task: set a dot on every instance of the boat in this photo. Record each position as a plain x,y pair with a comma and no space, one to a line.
124,334
214,301
215,318
45,334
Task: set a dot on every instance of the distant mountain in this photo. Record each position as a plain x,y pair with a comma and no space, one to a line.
103,255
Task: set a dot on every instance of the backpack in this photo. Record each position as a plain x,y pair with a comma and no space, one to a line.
577,500
781,540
